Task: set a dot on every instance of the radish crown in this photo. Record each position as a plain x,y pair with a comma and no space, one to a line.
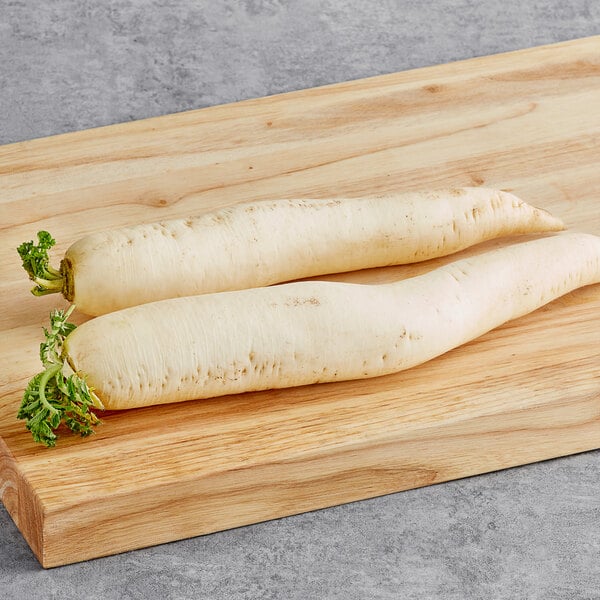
51,397
36,261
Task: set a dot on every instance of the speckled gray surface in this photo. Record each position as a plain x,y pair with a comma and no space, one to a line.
531,532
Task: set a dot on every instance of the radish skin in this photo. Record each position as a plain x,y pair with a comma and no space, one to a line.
317,331
262,243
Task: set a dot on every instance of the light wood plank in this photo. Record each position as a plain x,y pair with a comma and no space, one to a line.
528,121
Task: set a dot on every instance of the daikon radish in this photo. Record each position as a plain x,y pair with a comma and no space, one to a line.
292,334
261,243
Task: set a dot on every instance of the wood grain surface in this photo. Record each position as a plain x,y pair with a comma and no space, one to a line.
527,121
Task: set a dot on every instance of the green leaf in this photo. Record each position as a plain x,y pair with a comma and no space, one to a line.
51,398
36,262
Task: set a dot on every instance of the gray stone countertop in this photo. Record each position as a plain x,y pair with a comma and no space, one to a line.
531,532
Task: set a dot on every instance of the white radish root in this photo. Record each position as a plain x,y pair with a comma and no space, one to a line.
316,331
261,243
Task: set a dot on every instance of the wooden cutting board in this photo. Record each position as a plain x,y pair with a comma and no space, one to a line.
528,121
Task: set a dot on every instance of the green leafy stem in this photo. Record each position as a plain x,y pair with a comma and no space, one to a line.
36,262
53,397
